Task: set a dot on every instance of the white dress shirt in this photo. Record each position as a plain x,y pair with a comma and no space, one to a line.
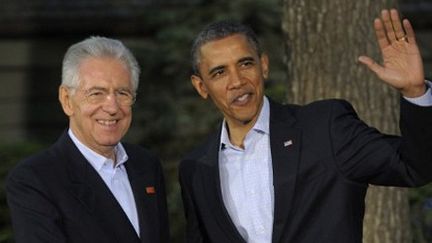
115,177
246,177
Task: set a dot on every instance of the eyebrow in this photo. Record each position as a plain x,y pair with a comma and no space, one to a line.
246,59
106,89
96,88
221,67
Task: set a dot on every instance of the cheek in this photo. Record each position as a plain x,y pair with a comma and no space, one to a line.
127,115
217,91
127,111
88,112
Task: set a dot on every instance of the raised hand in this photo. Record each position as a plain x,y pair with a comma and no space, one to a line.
402,65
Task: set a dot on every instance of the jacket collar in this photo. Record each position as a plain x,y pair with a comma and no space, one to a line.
90,190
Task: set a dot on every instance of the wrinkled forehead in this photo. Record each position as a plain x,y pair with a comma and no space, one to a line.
104,70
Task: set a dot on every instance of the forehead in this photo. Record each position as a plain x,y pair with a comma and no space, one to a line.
103,71
225,49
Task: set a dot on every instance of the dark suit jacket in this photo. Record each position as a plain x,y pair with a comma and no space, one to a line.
320,181
56,196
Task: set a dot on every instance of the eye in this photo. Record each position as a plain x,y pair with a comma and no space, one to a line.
247,63
95,93
125,93
217,73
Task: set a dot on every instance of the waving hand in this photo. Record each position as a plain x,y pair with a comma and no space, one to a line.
402,66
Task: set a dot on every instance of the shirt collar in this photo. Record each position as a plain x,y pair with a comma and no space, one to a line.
97,160
262,125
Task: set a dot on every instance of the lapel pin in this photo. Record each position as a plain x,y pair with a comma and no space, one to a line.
288,143
150,190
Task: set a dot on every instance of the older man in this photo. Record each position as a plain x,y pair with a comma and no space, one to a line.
89,187
288,173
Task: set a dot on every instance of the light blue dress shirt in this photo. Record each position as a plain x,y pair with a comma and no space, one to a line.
424,100
115,177
246,176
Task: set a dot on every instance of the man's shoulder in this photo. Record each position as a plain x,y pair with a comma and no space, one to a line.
41,163
137,149
197,151
141,156
317,104
314,108
200,150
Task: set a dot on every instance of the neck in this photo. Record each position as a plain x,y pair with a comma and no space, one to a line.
107,151
237,130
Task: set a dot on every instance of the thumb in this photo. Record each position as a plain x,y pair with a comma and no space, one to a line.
371,64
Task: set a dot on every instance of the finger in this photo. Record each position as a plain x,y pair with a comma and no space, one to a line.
380,34
409,31
385,16
397,26
371,64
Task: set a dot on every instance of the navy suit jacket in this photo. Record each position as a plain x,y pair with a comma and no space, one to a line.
57,196
320,180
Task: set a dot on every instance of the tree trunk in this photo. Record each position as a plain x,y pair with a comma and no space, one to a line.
323,40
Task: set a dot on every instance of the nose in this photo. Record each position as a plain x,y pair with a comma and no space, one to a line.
236,79
110,104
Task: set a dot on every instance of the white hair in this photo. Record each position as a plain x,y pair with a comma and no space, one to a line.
96,46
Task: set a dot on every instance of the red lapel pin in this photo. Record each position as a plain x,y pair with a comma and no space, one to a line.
150,190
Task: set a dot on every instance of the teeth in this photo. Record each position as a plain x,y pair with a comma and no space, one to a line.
107,122
243,97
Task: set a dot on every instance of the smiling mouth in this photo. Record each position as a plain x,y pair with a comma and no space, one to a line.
242,99
107,122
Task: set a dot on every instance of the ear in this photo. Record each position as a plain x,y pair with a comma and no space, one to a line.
199,86
65,100
264,65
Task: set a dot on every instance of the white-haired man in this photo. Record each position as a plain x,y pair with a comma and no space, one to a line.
89,187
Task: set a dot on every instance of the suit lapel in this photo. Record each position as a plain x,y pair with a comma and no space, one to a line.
90,190
213,192
145,203
285,144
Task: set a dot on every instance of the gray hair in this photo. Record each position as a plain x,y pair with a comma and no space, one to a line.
96,46
220,30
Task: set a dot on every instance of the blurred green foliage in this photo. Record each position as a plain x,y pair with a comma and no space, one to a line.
421,214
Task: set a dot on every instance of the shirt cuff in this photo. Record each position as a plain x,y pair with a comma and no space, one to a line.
424,100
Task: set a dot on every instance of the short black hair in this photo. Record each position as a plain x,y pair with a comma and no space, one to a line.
219,30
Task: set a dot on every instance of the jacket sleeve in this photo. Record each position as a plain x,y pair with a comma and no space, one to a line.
363,154
35,218
194,232
416,130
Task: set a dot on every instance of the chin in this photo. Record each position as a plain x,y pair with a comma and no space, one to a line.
245,122
246,118
109,141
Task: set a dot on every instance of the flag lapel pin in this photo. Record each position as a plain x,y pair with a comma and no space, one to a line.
288,143
150,190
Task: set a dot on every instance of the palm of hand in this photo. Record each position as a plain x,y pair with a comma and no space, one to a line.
402,65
